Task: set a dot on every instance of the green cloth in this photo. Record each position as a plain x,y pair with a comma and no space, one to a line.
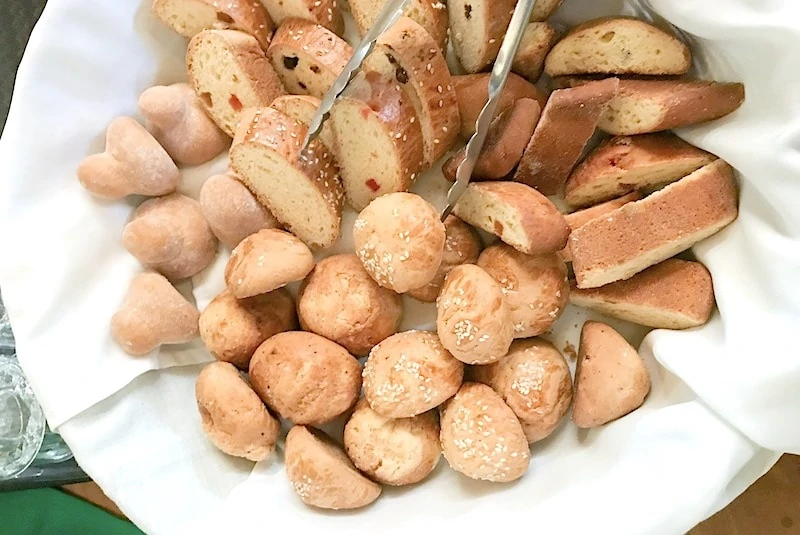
52,512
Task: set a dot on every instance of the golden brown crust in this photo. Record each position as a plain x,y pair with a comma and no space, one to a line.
537,40
544,8
327,13
302,108
476,43
431,15
581,217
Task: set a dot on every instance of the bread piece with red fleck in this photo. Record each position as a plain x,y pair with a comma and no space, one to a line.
430,14
581,217
477,29
190,17
327,13
537,40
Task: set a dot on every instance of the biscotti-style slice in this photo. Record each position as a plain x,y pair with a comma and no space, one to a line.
520,216
190,17
473,91
544,8
307,57
302,108
568,122
477,29
229,72
430,14
620,165
378,139
581,217
618,45
303,193
328,13
643,233
408,54
537,40
675,294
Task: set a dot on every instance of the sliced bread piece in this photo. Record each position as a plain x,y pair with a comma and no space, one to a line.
568,122
477,29
473,91
675,294
230,72
407,53
620,165
520,216
544,8
581,217
430,14
190,17
537,40
611,379
302,108
378,139
643,233
307,57
618,45
302,192
327,13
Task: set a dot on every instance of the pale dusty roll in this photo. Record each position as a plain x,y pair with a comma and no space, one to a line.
407,53
302,108
620,165
321,473
153,313
378,138
133,163
473,318
400,240
230,73
266,261
567,124
618,45
537,40
535,287
233,417
544,8
517,214
611,379
232,210
302,190
581,217
170,235
430,14
643,233
477,30
176,118
232,329
462,245
305,378
395,452
410,373
328,13
481,437
190,17
674,294
534,381
307,57
340,301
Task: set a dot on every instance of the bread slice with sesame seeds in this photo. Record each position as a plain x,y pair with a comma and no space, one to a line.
378,139
327,13
407,53
230,72
537,40
302,191
477,28
190,17
430,14
302,108
307,57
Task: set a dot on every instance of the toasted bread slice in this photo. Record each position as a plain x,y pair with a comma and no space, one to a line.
230,72
307,57
620,165
568,122
303,193
302,108
537,40
675,294
544,8
190,17
618,45
581,217
327,13
518,215
476,30
430,14
643,233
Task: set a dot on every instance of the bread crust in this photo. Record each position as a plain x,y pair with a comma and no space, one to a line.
248,16
431,15
537,40
581,217
488,32
327,13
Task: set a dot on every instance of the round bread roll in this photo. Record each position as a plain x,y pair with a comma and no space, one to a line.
400,451
234,418
534,381
473,319
400,240
340,301
536,287
410,373
232,329
305,378
462,245
266,261
481,437
321,473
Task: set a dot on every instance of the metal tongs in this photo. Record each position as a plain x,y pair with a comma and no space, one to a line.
392,10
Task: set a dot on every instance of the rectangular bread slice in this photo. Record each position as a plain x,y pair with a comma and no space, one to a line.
644,233
623,164
675,294
581,217
477,28
537,40
430,14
